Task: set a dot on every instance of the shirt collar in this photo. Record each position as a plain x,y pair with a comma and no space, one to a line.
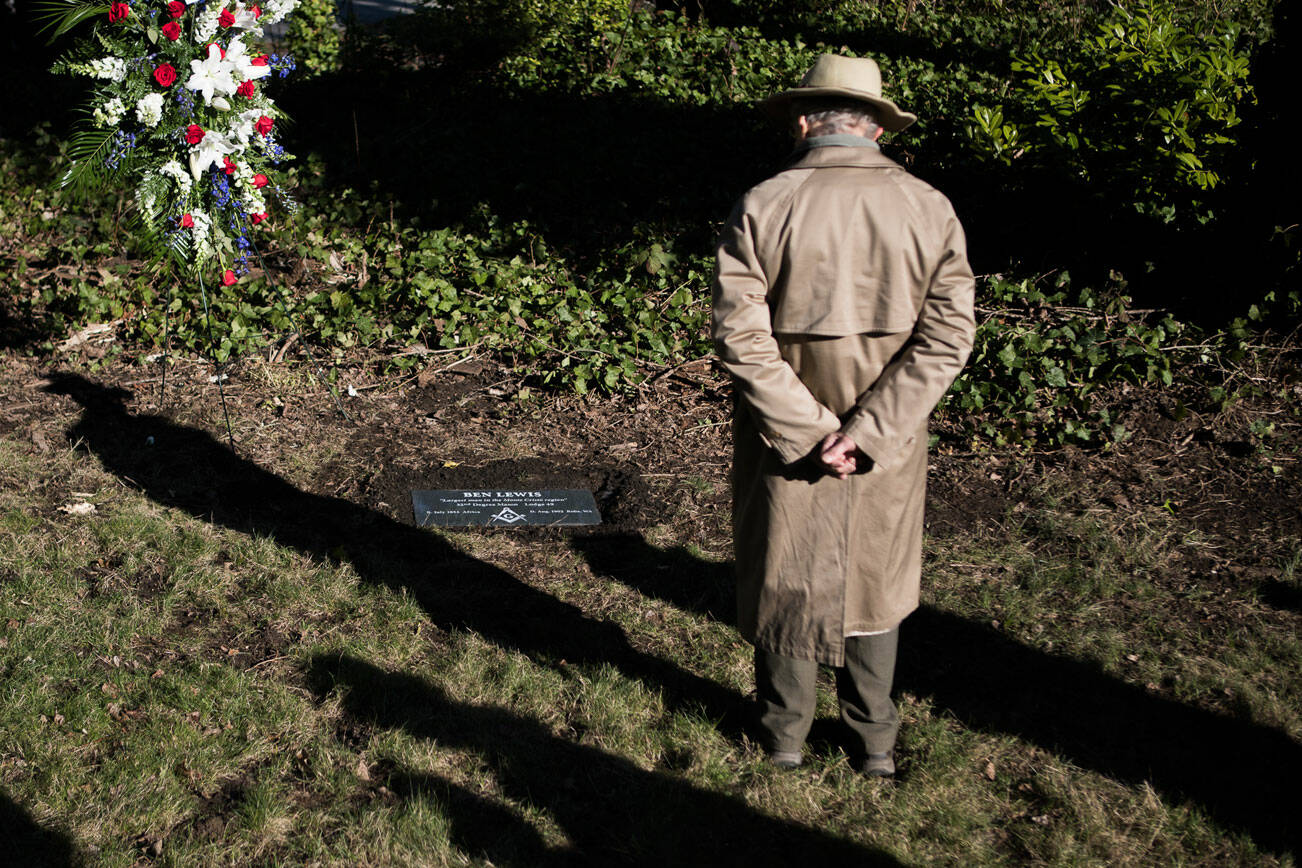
836,140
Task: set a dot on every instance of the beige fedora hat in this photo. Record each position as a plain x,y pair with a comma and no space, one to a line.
853,77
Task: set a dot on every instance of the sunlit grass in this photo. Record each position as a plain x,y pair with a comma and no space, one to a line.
176,689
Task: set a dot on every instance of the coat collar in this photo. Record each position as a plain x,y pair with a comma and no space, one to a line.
821,158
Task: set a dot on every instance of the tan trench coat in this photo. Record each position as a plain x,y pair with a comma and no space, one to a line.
842,302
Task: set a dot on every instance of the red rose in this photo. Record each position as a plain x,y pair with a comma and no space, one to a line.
206,51
118,11
165,74
246,89
226,19
258,218
259,181
263,126
187,222
229,278
176,8
171,30
256,10
230,167
260,60
193,134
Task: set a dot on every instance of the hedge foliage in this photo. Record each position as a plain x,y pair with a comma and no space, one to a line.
541,182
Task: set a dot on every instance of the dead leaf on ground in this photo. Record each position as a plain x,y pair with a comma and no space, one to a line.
97,333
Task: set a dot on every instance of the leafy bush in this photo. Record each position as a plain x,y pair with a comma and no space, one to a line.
1040,359
315,36
563,279
1142,109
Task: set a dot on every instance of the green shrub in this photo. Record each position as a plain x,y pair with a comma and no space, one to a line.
1143,109
1041,358
315,37
1135,103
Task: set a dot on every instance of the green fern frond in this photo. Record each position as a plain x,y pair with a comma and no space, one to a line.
151,208
86,151
60,16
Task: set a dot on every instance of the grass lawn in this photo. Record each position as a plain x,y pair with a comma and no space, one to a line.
216,657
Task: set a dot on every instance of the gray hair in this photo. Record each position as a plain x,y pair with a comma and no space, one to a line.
830,116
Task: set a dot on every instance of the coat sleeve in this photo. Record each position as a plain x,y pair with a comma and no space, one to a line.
889,414
789,418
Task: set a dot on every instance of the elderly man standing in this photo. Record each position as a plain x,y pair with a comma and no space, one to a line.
843,310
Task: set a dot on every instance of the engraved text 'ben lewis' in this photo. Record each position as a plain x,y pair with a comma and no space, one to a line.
504,508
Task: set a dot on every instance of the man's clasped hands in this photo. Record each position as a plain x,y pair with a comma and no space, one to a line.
839,456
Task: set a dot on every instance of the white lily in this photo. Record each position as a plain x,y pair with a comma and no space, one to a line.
237,55
245,19
209,152
212,75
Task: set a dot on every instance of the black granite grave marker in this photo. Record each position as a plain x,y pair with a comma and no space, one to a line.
504,508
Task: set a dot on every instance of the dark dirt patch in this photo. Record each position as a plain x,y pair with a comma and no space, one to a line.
218,809
466,428
105,575
961,494
1243,497
245,650
354,734
312,478
661,456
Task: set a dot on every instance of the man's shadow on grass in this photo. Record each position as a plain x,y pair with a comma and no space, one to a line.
1241,773
31,844
188,469
611,810
607,806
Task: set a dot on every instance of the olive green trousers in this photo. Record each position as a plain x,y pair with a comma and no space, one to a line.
785,688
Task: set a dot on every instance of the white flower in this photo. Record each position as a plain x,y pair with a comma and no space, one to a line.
112,68
205,22
253,202
275,10
245,19
109,114
212,75
237,55
149,109
243,126
201,235
210,152
177,173
249,193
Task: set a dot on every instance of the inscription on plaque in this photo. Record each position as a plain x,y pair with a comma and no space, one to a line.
504,507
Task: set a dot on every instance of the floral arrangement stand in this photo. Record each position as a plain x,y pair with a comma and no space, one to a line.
179,116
